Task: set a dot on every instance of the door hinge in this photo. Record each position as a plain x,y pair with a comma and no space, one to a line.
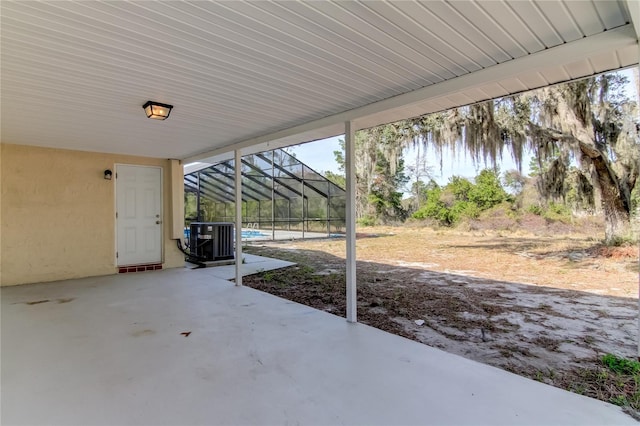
116,176
116,255
116,215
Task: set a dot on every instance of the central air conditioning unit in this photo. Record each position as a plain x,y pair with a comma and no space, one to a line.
211,240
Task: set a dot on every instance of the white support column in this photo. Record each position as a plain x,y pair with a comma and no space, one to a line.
350,222
176,171
238,182
635,9
303,209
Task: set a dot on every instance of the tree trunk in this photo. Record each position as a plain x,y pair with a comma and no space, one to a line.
616,210
617,223
614,205
616,214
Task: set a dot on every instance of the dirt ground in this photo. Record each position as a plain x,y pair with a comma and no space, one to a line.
543,306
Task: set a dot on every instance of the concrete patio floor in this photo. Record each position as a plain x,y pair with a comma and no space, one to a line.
109,350
252,264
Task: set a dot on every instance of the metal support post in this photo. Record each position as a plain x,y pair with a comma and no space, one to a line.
303,203
350,219
238,185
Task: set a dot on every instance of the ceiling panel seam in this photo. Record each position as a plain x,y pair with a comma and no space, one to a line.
440,39
523,22
381,46
436,65
478,30
302,85
329,68
364,70
427,46
291,99
462,37
301,99
555,19
572,19
289,105
606,11
249,63
586,26
74,105
500,27
548,23
359,45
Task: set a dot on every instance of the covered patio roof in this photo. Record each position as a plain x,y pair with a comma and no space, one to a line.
248,77
259,75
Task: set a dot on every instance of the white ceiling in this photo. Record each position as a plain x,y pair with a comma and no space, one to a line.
75,74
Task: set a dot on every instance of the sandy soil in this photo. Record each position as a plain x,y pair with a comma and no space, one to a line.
541,306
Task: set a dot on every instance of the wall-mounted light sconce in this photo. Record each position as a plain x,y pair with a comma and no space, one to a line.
156,110
108,174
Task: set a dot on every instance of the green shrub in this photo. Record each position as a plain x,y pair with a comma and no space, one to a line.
463,209
367,221
460,188
487,191
462,199
434,207
535,209
557,213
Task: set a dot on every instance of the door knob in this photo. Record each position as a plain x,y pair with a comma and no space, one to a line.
158,222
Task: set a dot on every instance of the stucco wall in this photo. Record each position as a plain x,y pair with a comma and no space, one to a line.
57,214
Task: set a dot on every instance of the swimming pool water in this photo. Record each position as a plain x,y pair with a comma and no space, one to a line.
245,233
252,234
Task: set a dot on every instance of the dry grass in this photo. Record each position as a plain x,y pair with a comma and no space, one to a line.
570,261
543,307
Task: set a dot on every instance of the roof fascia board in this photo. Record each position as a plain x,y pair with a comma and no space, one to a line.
634,12
620,37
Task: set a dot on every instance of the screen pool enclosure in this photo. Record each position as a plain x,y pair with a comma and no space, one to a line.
280,194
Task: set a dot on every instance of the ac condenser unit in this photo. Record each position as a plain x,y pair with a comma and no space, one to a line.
212,240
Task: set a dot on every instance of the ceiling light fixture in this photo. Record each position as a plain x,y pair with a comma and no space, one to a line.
156,110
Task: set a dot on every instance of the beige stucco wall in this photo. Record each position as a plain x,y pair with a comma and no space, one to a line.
57,214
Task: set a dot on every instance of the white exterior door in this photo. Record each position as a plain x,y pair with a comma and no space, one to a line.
138,215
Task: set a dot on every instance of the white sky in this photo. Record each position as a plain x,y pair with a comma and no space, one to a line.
319,156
